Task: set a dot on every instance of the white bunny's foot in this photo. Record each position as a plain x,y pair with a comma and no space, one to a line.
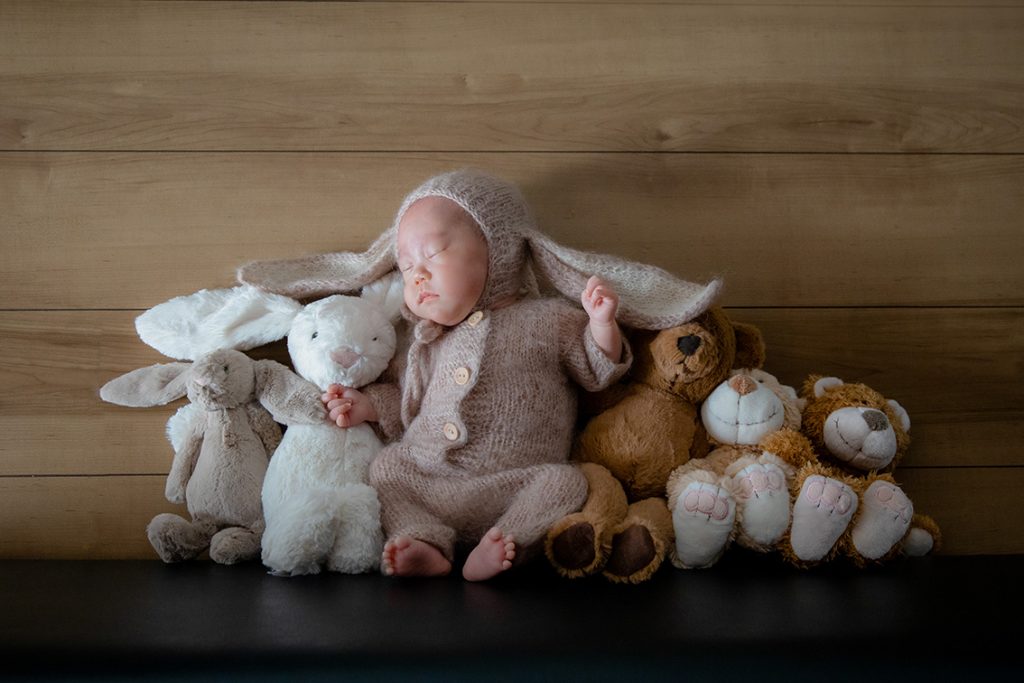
884,520
703,519
764,499
822,512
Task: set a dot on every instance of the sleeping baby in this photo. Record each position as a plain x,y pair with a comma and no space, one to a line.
481,421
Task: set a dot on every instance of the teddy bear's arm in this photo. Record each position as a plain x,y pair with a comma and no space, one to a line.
789,445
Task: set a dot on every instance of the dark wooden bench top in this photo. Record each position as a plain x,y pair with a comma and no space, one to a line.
935,617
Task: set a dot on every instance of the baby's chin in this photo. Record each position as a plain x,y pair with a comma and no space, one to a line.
434,311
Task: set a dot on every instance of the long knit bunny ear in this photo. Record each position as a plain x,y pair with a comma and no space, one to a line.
155,385
317,276
649,298
242,318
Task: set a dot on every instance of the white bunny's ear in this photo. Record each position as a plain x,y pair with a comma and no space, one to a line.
649,298
387,294
323,274
190,326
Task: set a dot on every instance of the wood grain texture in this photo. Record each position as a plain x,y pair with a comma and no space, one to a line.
964,402
130,230
106,517
471,76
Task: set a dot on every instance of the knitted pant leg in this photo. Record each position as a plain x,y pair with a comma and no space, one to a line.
405,493
545,494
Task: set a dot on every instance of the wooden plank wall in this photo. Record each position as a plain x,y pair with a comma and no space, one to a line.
854,170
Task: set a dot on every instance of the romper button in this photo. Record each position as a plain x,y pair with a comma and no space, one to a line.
475,319
461,375
451,432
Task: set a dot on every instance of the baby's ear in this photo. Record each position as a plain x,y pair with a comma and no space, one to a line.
387,295
156,385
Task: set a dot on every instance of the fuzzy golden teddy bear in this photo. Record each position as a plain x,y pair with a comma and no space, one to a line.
628,451
847,502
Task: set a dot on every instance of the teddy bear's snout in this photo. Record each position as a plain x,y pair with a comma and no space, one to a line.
877,421
688,345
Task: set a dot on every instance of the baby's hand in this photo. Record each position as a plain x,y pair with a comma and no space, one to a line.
348,407
600,301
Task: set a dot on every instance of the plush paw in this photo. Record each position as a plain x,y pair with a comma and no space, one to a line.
634,556
574,550
884,520
823,510
764,500
703,519
234,545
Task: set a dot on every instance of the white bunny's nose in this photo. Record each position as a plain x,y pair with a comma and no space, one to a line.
345,357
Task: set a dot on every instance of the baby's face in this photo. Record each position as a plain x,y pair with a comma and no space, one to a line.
443,258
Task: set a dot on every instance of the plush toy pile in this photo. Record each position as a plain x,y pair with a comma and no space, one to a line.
703,449
696,450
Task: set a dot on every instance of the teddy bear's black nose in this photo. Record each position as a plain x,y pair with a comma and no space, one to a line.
876,419
688,344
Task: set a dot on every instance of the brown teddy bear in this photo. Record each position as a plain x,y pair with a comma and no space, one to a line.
740,491
847,502
628,450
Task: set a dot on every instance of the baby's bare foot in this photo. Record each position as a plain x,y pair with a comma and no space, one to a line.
492,555
406,556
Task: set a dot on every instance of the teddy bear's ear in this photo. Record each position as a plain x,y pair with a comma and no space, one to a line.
750,351
901,413
824,384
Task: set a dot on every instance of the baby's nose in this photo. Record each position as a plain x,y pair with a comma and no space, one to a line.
345,357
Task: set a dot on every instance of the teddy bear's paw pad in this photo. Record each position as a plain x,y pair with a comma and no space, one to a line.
759,480
703,519
883,521
575,548
764,498
634,556
823,510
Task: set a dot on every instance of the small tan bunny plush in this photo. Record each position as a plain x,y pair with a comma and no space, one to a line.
222,441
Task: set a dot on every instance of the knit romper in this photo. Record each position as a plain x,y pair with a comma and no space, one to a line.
488,408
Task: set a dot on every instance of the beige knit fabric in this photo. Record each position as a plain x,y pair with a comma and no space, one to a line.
650,298
488,408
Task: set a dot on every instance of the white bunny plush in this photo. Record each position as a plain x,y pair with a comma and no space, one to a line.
318,507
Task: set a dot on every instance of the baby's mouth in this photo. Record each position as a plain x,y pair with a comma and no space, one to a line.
426,296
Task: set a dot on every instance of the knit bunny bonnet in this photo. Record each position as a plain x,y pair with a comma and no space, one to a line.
649,297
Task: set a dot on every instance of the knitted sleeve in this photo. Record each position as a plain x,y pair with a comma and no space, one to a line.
387,401
582,358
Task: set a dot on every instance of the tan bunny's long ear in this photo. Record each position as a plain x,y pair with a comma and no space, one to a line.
155,385
317,276
649,298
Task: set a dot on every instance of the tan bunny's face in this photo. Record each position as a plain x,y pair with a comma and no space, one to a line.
222,379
